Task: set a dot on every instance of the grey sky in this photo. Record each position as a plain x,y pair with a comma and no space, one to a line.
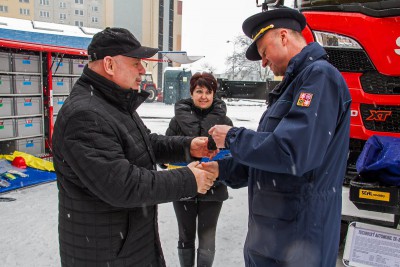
208,24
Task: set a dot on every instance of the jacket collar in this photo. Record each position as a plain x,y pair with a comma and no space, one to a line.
126,99
308,55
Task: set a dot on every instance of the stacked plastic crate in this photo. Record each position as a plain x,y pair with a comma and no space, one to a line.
65,72
21,102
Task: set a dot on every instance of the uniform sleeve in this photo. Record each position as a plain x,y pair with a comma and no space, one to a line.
92,149
300,137
232,173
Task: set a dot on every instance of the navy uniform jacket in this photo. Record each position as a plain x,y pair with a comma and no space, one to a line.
294,166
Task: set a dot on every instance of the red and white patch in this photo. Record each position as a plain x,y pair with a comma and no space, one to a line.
304,99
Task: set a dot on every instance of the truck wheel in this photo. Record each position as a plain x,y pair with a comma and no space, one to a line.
153,94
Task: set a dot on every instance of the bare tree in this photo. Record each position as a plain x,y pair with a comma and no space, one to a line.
239,68
208,67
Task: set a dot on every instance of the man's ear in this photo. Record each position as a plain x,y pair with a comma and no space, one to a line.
109,65
283,34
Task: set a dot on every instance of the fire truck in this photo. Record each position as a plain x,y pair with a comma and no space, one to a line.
148,85
362,40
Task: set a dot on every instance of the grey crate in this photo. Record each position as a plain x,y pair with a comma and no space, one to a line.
6,106
74,80
61,66
6,85
58,101
5,61
7,128
26,63
27,85
33,146
61,85
78,65
28,105
29,126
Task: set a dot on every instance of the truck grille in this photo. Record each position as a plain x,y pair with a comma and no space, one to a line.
381,118
356,146
375,83
350,60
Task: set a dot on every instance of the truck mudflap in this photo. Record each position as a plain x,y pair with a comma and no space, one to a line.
373,237
371,202
350,212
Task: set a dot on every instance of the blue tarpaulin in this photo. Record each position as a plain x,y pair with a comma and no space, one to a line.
380,160
35,177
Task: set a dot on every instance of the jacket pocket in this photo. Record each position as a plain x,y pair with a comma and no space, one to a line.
124,239
276,205
275,114
274,226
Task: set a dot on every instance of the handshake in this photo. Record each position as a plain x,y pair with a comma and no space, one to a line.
205,173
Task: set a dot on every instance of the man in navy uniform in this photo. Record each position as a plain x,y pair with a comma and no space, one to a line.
295,162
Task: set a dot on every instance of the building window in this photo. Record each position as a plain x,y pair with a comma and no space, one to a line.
79,2
78,12
63,5
44,14
4,9
24,11
24,1
63,16
78,23
95,19
44,2
95,8
179,7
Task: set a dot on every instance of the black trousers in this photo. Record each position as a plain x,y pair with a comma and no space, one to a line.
206,214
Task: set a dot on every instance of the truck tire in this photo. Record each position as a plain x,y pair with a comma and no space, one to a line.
153,94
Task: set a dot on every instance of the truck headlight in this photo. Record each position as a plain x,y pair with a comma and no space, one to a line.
327,39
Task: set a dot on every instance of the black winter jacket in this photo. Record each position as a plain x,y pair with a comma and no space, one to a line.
190,120
105,160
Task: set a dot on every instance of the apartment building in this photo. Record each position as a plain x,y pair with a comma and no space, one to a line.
156,23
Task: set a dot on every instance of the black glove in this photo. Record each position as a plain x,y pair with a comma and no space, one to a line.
211,144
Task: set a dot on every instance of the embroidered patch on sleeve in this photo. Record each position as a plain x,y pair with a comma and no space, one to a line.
304,99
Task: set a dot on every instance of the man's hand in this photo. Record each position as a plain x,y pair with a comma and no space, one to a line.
218,133
204,179
198,148
211,167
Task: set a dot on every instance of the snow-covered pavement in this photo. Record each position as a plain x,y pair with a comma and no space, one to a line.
28,226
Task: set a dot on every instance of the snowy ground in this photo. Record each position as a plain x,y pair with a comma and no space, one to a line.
28,226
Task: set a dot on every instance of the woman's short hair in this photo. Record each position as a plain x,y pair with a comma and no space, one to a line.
204,79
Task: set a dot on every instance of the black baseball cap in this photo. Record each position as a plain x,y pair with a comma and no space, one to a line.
257,25
117,41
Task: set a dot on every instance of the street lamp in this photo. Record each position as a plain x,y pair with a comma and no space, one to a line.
234,59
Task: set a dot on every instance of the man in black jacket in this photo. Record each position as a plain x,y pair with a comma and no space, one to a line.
105,159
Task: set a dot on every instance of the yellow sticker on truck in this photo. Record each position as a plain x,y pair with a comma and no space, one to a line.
375,195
